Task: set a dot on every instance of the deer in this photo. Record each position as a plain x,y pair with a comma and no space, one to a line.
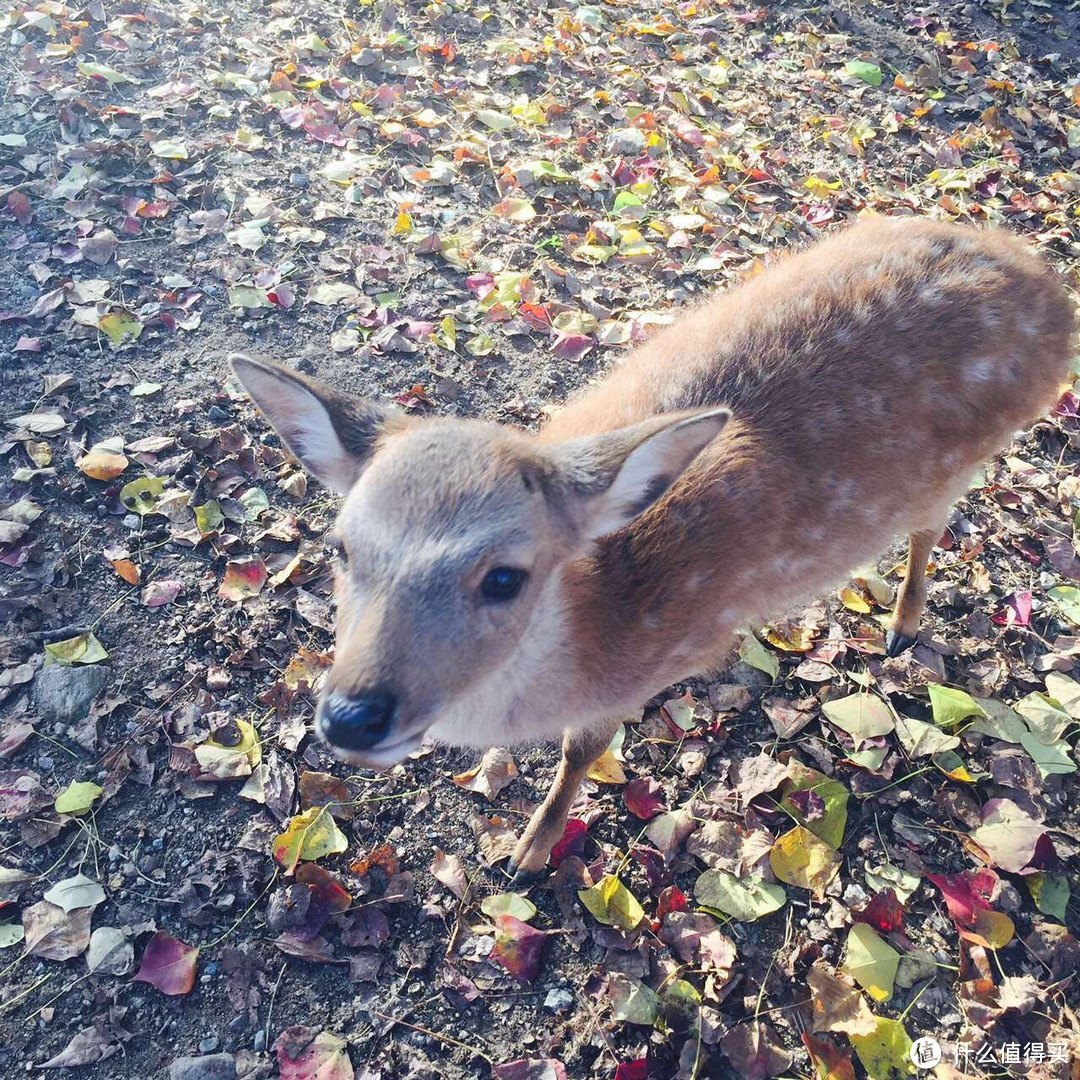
496,586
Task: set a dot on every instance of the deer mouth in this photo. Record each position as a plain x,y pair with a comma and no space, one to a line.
383,756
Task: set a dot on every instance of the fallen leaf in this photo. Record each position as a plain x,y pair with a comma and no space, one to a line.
745,899
886,1052
495,771
77,798
803,859
643,798
871,961
75,892
837,1003
168,965
100,463
611,902
305,1053
863,716
243,578
518,947
632,1002
310,835
53,934
82,649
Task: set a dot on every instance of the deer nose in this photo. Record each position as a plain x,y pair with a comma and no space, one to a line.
358,722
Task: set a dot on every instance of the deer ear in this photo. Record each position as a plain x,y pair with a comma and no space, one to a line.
332,434
617,475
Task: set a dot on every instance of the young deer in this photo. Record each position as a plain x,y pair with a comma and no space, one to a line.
496,587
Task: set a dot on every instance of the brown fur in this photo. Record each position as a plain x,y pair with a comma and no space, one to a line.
849,370
867,377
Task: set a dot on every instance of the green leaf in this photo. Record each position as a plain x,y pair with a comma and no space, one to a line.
173,149
497,121
871,961
885,1054
247,296
11,934
890,876
1052,759
510,903
1050,893
745,899
1067,599
998,721
830,823
83,649
752,652
208,517
103,71
803,859
862,716
863,69
77,798
920,739
951,706
1044,716
611,902
120,327
140,496
632,1002
309,836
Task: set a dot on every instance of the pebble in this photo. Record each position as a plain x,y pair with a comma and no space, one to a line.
559,1001
62,695
258,1044
216,412
207,1067
209,1044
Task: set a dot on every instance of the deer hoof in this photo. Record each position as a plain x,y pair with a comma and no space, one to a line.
522,879
896,643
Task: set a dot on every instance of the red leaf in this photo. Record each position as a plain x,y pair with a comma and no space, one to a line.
572,346
966,894
518,947
1015,610
19,205
829,1061
633,1070
572,842
243,578
884,912
643,797
305,1053
168,965
671,899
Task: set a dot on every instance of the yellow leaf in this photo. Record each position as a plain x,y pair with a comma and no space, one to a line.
119,327
222,762
854,600
311,835
83,649
607,768
803,859
101,464
403,224
611,902
886,1053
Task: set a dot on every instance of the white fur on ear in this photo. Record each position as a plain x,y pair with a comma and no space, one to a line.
651,468
301,418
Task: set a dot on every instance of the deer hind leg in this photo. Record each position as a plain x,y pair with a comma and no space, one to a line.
579,750
911,599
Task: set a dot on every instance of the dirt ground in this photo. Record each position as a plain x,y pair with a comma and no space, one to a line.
473,208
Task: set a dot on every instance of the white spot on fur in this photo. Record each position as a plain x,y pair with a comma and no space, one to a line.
980,369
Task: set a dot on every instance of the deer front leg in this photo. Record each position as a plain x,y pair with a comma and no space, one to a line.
911,599
579,750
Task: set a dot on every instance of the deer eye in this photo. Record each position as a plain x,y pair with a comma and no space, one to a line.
502,584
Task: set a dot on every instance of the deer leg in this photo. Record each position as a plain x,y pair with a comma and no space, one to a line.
911,598
579,750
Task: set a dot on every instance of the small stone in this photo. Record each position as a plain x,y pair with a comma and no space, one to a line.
559,1001
258,1044
62,695
209,1044
207,1067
